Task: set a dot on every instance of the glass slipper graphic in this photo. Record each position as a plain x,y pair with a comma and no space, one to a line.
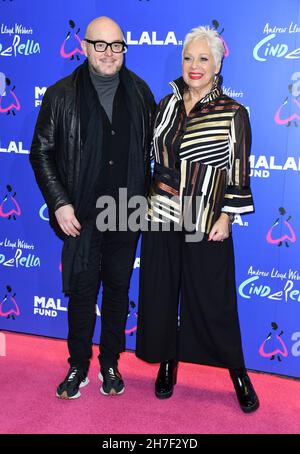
9,100
225,46
282,350
216,24
291,236
9,206
284,116
285,228
71,41
131,324
8,306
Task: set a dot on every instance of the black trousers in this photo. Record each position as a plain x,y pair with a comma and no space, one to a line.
187,301
115,251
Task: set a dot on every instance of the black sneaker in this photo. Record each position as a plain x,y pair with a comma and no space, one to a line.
112,381
75,379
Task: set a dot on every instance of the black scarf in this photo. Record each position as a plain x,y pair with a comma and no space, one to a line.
75,250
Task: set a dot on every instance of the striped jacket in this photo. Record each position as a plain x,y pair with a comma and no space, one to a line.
201,161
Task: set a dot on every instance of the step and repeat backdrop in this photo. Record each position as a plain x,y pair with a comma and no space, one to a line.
40,43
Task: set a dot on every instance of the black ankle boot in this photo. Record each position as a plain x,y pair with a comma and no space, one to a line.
166,379
245,392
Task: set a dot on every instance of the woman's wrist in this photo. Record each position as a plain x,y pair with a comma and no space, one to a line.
230,216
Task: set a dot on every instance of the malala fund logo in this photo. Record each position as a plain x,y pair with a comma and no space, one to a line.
161,38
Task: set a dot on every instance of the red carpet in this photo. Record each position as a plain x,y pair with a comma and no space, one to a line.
203,402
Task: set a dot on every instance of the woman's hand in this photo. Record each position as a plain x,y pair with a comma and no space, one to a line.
220,230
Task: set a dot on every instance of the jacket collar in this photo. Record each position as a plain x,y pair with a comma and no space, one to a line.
134,98
179,87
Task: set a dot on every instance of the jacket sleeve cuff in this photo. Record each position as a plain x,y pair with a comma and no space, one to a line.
238,201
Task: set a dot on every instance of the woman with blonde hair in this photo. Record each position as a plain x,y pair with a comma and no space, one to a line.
201,145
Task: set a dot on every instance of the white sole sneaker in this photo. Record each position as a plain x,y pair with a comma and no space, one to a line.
113,392
64,395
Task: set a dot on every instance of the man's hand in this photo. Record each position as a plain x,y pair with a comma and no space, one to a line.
220,230
67,220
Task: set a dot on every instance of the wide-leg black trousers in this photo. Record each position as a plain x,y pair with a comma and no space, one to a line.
187,301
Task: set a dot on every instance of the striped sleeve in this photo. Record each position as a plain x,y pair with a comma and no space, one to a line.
238,196
154,150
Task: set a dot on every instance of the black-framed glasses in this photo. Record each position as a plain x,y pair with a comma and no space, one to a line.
100,46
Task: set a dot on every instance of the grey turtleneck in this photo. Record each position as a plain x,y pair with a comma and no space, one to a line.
106,88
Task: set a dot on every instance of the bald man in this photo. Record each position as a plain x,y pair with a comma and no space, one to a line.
92,138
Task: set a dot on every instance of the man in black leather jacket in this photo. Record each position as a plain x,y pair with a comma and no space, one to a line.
92,137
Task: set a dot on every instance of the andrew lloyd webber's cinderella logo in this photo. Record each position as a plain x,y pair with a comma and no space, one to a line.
13,43
17,253
271,284
276,44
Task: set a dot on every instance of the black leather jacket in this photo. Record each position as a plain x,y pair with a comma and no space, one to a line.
57,143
